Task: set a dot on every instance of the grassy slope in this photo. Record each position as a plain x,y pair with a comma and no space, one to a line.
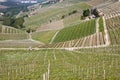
98,2
10,33
12,36
0,28
72,20
52,14
113,26
18,44
44,37
101,26
75,32
115,36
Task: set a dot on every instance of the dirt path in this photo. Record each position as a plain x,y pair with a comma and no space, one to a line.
54,37
98,31
107,40
30,38
97,25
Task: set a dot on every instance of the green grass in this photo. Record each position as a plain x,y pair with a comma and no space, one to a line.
13,36
115,36
52,14
101,26
87,64
72,20
24,43
10,33
113,26
75,32
44,37
0,28
70,2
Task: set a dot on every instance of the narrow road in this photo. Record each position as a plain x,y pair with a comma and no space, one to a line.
98,31
54,37
97,25
30,38
107,40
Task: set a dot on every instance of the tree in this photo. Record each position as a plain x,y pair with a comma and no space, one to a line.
7,21
86,13
63,16
29,30
14,22
18,23
73,12
95,12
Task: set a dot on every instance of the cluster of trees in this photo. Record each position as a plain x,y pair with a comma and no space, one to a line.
14,8
95,12
88,12
14,22
70,13
29,30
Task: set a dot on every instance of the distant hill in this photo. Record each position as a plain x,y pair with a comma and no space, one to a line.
3,0
3,7
98,2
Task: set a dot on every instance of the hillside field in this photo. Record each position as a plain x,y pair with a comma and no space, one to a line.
52,14
56,44
45,37
76,32
83,64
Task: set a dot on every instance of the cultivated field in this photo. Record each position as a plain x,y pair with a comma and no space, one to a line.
103,63
76,32
9,33
113,26
15,38
44,37
79,50
53,14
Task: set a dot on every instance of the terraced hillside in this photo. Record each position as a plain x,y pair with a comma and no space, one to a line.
82,50
111,10
100,38
53,14
65,3
98,2
88,34
113,26
44,37
9,33
15,38
76,32
56,25
102,63
72,20
69,37
23,44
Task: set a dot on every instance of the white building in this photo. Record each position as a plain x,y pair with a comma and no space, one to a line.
28,1
1,14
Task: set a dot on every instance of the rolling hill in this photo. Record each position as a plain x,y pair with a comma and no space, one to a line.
67,49
53,14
